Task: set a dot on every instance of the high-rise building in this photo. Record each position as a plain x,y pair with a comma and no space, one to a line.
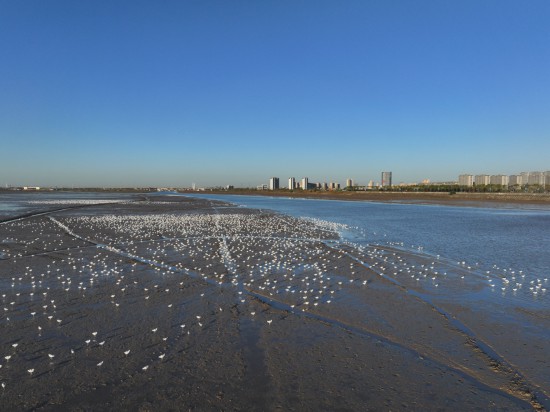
499,180
481,180
386,179
304,183
291,183
466,180
515,180
537,178
274,183
349,183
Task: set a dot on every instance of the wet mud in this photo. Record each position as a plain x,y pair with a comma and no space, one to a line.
187,304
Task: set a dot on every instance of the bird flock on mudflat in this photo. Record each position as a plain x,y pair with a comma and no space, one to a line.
113,263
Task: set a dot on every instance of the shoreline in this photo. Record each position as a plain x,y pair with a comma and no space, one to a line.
462,199
430,198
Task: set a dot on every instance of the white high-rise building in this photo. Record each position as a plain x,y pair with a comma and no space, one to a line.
291,183
499,180
466,180
537,178
304,183
514,180
349,183
274,183
481,180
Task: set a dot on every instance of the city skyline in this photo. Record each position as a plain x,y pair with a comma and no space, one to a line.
137,94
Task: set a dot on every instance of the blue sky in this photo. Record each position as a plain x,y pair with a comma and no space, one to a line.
149,93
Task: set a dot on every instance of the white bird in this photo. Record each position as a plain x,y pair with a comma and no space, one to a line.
126,352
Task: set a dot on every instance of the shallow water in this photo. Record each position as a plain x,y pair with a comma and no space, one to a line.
511,239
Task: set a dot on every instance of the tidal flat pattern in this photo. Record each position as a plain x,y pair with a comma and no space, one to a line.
180,303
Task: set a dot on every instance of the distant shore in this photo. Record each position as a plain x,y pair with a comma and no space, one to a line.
457,199
439,198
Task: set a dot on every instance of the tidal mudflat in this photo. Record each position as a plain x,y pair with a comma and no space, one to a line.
194,304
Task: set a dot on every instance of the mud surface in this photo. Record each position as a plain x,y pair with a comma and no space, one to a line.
187,304
461,199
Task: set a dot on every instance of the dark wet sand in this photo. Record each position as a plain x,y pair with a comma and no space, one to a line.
214,321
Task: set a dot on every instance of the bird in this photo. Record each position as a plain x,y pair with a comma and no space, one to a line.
126,352
100,363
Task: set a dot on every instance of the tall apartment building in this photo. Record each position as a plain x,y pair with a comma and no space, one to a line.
499,180
304,183
537,178
481,180
291,183
386,179
466,180
274,183
349,183
514,180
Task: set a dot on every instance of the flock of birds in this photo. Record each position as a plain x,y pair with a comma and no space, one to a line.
121,262
54,265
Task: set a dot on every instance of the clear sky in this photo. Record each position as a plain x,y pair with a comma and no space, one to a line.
166,93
